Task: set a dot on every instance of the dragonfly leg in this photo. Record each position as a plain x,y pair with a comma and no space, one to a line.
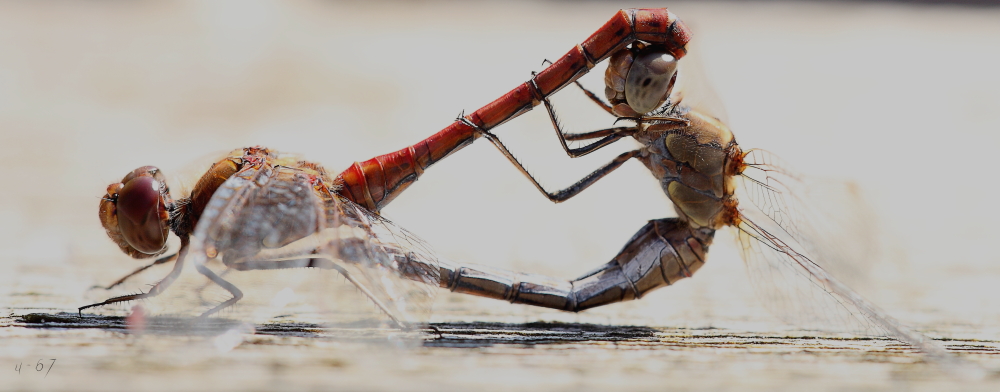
679,122
593,97
572,190
161,260
364,289
316,262
231,288
608,136
201,290
158,288
246,265
661,253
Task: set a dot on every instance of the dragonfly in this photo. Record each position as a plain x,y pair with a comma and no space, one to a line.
787,239
258,209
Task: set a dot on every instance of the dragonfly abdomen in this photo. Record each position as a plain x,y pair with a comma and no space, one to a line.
661,253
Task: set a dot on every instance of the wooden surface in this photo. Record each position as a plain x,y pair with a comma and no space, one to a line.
903,100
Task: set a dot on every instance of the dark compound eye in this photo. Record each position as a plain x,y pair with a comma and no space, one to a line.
648,82
142,214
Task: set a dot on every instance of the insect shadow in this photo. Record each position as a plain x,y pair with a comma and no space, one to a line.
482,334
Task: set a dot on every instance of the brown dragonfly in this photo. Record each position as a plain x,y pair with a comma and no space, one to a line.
257,209
788,239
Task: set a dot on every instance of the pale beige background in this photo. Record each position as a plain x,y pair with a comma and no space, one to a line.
901,99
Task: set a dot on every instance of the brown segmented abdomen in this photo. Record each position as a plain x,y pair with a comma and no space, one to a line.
661,253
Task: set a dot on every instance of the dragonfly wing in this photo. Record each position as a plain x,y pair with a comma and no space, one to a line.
795,288
398,265
281,217
802,293
693,88
827,217
794,248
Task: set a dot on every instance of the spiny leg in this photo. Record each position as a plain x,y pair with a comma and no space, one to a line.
231,288
572,190
675,122
591,135
158,288
364,289
201,290
618,131
608,136
593,97
136,272
678,121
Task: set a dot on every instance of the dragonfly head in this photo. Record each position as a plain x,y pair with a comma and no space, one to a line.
135,213
639,79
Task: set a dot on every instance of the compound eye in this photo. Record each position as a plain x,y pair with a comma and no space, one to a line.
648,82
142,216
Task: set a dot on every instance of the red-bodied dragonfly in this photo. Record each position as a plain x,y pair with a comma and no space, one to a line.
257,209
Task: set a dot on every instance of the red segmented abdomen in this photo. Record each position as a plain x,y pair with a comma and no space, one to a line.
375,182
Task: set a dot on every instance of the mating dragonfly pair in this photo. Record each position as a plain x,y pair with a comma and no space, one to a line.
257,209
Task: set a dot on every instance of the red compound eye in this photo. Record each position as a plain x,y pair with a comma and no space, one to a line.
134,213
140,209
139,212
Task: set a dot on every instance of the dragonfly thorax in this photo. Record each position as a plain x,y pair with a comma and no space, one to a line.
694,166
138,213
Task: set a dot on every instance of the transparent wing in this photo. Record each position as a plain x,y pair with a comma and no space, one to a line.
802,238
401,267
826,217
807,295
794,248
693,88
281,238
797,290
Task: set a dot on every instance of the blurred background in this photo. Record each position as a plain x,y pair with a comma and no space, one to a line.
902,98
